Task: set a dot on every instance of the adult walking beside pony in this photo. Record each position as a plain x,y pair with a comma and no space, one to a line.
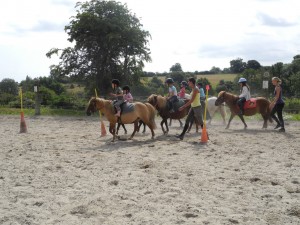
195,110
277,104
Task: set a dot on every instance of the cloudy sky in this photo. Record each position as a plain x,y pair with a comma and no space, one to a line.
198,34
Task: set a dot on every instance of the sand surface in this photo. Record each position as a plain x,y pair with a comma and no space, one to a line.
63,172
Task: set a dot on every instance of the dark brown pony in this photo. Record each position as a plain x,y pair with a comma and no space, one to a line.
144,112
160,103
262,107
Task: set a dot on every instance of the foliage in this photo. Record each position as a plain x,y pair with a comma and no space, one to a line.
237,65
109,43
9,86
292,105
176,68
205,82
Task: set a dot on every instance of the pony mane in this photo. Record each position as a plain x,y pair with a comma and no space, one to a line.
221,93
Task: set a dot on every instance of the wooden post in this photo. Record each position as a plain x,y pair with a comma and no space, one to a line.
37,101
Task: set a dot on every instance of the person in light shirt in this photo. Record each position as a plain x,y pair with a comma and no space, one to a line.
244,96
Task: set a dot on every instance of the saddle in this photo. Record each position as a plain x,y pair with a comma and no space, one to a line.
250,104
178,104
126,107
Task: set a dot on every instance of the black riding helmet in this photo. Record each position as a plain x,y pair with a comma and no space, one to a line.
184,83
115,81
126,88
169,81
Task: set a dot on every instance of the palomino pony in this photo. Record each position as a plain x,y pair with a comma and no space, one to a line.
160,103
132,114
253,106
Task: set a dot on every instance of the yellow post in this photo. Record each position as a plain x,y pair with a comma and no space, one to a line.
21,97
204,135
23,127
103,130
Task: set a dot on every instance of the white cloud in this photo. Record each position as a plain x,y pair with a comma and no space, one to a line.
195,33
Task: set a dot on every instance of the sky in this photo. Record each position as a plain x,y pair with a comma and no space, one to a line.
197,34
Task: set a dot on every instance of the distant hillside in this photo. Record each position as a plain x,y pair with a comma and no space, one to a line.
213,78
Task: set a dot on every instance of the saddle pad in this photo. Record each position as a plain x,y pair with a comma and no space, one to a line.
127,107
250,104
178,104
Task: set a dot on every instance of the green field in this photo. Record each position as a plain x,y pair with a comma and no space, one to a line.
214,79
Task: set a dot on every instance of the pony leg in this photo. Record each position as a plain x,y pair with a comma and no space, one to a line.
118,127
223,113
170,122
124,128
112,130
164,121
229,121
136,126
181,124
265,117
243,120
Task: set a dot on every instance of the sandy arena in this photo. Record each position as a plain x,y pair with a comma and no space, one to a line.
61,172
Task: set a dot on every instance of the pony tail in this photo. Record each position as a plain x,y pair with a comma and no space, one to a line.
152,113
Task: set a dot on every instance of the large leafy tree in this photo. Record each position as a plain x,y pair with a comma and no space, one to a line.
109,43
176,68
237,65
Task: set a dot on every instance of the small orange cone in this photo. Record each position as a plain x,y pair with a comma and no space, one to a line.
204,135
103,130
23,128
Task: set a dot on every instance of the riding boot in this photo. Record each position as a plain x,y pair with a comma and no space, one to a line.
185,128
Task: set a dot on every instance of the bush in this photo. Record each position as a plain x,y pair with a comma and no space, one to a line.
292,105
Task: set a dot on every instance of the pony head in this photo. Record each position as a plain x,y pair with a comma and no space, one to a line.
152,99
221,98
92,106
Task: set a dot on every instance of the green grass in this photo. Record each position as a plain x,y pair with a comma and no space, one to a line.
45,111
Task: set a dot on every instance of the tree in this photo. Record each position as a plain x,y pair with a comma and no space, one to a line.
109,43
8,91
9,86
176,68
253,64
215,70
237,65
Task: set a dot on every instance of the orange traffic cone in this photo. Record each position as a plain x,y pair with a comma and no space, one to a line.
23,128
204,136
103,130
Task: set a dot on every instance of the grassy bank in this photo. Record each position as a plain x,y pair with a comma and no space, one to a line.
45,111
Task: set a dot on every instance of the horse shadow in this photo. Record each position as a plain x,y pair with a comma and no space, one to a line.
258,131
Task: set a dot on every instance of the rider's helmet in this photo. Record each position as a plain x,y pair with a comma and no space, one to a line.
169,81
184,83
126,88
115,81
242,79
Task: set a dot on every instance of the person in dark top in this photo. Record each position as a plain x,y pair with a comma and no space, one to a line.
118,95
277,104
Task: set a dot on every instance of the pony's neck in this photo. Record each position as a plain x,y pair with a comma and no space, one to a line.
231,100
106,107
161,101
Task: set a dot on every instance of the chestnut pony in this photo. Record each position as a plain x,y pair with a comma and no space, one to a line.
262,107
141,111
160,103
